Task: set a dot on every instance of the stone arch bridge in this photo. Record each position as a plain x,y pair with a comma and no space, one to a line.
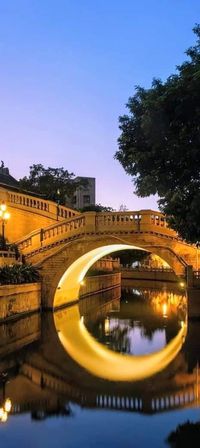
64,251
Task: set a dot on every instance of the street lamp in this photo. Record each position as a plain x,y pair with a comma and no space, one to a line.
197,255
4,217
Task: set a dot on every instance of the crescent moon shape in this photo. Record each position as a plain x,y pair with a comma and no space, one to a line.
103,362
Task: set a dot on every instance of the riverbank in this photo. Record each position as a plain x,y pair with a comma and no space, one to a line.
98,283
16,300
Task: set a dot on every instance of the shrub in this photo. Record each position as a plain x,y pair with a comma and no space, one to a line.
18,274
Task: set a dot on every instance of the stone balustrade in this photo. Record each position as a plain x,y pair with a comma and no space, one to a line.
7,257
29,212
41,205
94,223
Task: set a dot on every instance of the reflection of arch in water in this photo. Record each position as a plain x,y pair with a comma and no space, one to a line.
104,363
69,285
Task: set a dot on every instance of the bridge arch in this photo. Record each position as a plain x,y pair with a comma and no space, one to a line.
70,275
70,282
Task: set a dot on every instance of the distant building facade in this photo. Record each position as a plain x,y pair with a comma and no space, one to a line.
85,196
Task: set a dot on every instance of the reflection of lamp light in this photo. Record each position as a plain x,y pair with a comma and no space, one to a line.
4,417
182,284
4,411
107,326
164,309
8,405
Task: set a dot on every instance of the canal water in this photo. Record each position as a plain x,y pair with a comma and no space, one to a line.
120,369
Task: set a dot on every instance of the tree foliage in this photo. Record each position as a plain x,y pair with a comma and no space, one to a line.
183,435
96,208
56,184
128,257
159,145
18,274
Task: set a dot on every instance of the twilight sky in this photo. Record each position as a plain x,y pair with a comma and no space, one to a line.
67,70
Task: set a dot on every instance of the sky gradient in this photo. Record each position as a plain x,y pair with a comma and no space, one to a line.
67,70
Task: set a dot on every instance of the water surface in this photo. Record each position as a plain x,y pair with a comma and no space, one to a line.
58,402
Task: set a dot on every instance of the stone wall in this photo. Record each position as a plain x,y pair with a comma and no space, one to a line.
7,258
19,299
107,264
99,283
154,275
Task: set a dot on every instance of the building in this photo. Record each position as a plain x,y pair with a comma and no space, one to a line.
85,196
6,179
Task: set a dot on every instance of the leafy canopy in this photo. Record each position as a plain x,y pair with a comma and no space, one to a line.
56,184
96,208
159,145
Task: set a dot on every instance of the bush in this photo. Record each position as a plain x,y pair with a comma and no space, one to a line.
18,274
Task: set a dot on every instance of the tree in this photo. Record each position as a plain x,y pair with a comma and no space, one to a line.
183,435
96,208
56,184
128,257
159,145
123,208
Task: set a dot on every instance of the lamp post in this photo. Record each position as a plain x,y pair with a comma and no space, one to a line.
4,217
58,201
197,255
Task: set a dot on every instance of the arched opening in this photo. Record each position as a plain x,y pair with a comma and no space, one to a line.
84,348
69,285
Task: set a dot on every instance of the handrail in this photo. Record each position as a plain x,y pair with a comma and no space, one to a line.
91,222
32,203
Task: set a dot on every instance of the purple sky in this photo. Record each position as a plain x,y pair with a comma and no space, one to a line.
67,70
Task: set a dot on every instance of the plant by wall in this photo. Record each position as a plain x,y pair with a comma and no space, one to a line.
18,274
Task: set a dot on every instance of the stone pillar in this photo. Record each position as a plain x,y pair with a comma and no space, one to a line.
90,222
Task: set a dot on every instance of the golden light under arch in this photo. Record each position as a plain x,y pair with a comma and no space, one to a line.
83,348
69,285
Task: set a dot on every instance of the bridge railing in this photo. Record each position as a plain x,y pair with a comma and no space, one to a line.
36,204
53,233
94,223
138,221
145,269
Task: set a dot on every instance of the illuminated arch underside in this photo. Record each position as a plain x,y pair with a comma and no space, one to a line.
69,284
84,349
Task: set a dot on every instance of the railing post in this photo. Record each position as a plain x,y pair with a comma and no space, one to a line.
90,222
41,236
145,218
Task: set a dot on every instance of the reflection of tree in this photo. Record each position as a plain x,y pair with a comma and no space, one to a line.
116,337
147,310
59,411
184,435
128,257
119,339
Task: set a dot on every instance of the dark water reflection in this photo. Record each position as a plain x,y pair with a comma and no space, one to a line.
53,398
140,322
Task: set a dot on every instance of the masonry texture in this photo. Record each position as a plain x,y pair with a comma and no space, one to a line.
19,299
